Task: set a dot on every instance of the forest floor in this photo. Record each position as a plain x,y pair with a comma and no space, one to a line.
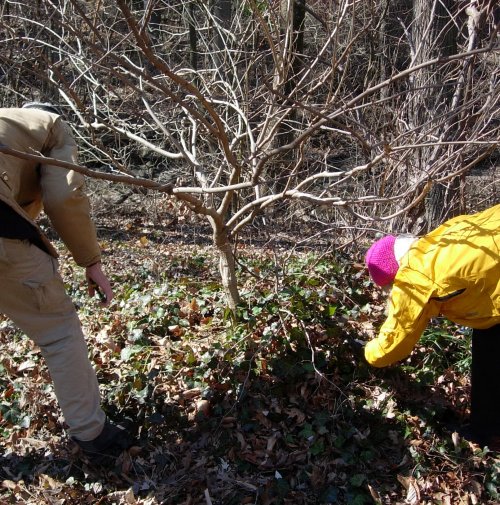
277,407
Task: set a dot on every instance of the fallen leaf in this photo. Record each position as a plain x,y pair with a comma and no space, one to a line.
10,485
412,490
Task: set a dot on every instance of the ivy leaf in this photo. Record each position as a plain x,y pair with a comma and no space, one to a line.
127,352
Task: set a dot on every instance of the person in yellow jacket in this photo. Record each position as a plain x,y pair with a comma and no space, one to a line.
32,293
453,271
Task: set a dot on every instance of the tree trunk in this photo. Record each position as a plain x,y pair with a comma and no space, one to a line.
393,53
227,269
222,15
434,35
155,22
193,37
295,62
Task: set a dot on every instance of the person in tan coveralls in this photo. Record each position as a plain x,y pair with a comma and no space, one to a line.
32,292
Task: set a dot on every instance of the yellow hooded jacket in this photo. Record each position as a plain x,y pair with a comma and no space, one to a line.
29,187
453,271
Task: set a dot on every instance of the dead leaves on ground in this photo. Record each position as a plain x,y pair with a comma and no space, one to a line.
228,417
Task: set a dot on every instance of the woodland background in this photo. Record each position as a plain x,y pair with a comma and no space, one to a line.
241,157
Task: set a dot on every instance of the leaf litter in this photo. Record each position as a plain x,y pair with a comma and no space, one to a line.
277,408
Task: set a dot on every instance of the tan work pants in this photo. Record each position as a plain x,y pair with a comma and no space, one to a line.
32,295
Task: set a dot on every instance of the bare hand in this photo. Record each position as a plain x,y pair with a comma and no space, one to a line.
99,283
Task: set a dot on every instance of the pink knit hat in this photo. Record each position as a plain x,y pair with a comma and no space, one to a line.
381,261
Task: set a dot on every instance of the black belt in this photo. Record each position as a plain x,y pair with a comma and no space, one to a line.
13,226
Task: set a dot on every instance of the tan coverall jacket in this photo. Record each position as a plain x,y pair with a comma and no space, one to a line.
32,291
453,271
29,187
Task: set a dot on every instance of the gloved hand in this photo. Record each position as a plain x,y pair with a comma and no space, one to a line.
358,347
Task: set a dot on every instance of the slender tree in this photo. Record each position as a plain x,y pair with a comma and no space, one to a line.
359,128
